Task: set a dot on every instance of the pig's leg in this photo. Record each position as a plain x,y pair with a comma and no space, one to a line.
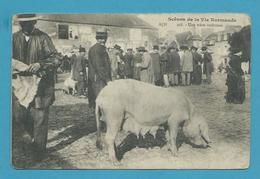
113,121
173,130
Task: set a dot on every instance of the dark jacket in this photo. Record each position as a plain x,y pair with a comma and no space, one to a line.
38,49
137,59
129,65
99,64
173,62
208,65
155,61
99,71
79,66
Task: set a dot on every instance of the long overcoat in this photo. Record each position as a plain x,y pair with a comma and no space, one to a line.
146,73
187,61
99,71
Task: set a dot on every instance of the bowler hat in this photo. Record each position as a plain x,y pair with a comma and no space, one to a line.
204,48
117,47
184,47
156,47
26,17
141,49
82,49
194,48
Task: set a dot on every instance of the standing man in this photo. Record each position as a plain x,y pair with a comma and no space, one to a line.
137,59
175,58
35,48
208,65
155,61
146,71
114,60
99,72
197,72
79,72
187,65
129,62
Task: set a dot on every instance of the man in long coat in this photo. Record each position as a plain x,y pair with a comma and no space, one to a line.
155,62
174,72
99,70
79,71
35,48
137,59
197,71
207,64
114,60
129,63
187,65
146,71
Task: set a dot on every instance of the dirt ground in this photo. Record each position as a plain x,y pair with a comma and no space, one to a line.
72,136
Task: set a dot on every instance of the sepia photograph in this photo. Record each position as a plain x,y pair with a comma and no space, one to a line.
131,91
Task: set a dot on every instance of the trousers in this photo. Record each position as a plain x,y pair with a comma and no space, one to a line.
35,123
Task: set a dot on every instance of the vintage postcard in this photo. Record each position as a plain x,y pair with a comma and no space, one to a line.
131,91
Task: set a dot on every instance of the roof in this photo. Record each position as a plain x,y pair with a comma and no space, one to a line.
116,20
194,37
182,37
213,36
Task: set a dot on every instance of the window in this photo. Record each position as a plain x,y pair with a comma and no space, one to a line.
63,31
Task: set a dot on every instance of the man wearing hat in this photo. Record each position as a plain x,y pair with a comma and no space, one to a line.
137,59
197,72
129,63
79,72
207,64
173,65
146,73
156,68
114,60
99,72
35,48
186,64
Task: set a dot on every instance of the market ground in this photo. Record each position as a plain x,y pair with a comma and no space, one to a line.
72,136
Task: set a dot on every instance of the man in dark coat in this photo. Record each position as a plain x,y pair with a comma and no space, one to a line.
207,64
155,61
235,80
79,71
99,69
137,59
129,63
35,48
197,71
175,58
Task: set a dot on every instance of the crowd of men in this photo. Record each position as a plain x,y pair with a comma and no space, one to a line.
163,66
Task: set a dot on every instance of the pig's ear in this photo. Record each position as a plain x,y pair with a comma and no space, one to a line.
204,131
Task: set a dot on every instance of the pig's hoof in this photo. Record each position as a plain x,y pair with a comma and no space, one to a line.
115,162
174,153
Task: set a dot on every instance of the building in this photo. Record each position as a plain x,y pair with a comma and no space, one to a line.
217,43
69,31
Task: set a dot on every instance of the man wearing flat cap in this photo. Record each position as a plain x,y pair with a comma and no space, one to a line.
35,48
79,72
99,72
